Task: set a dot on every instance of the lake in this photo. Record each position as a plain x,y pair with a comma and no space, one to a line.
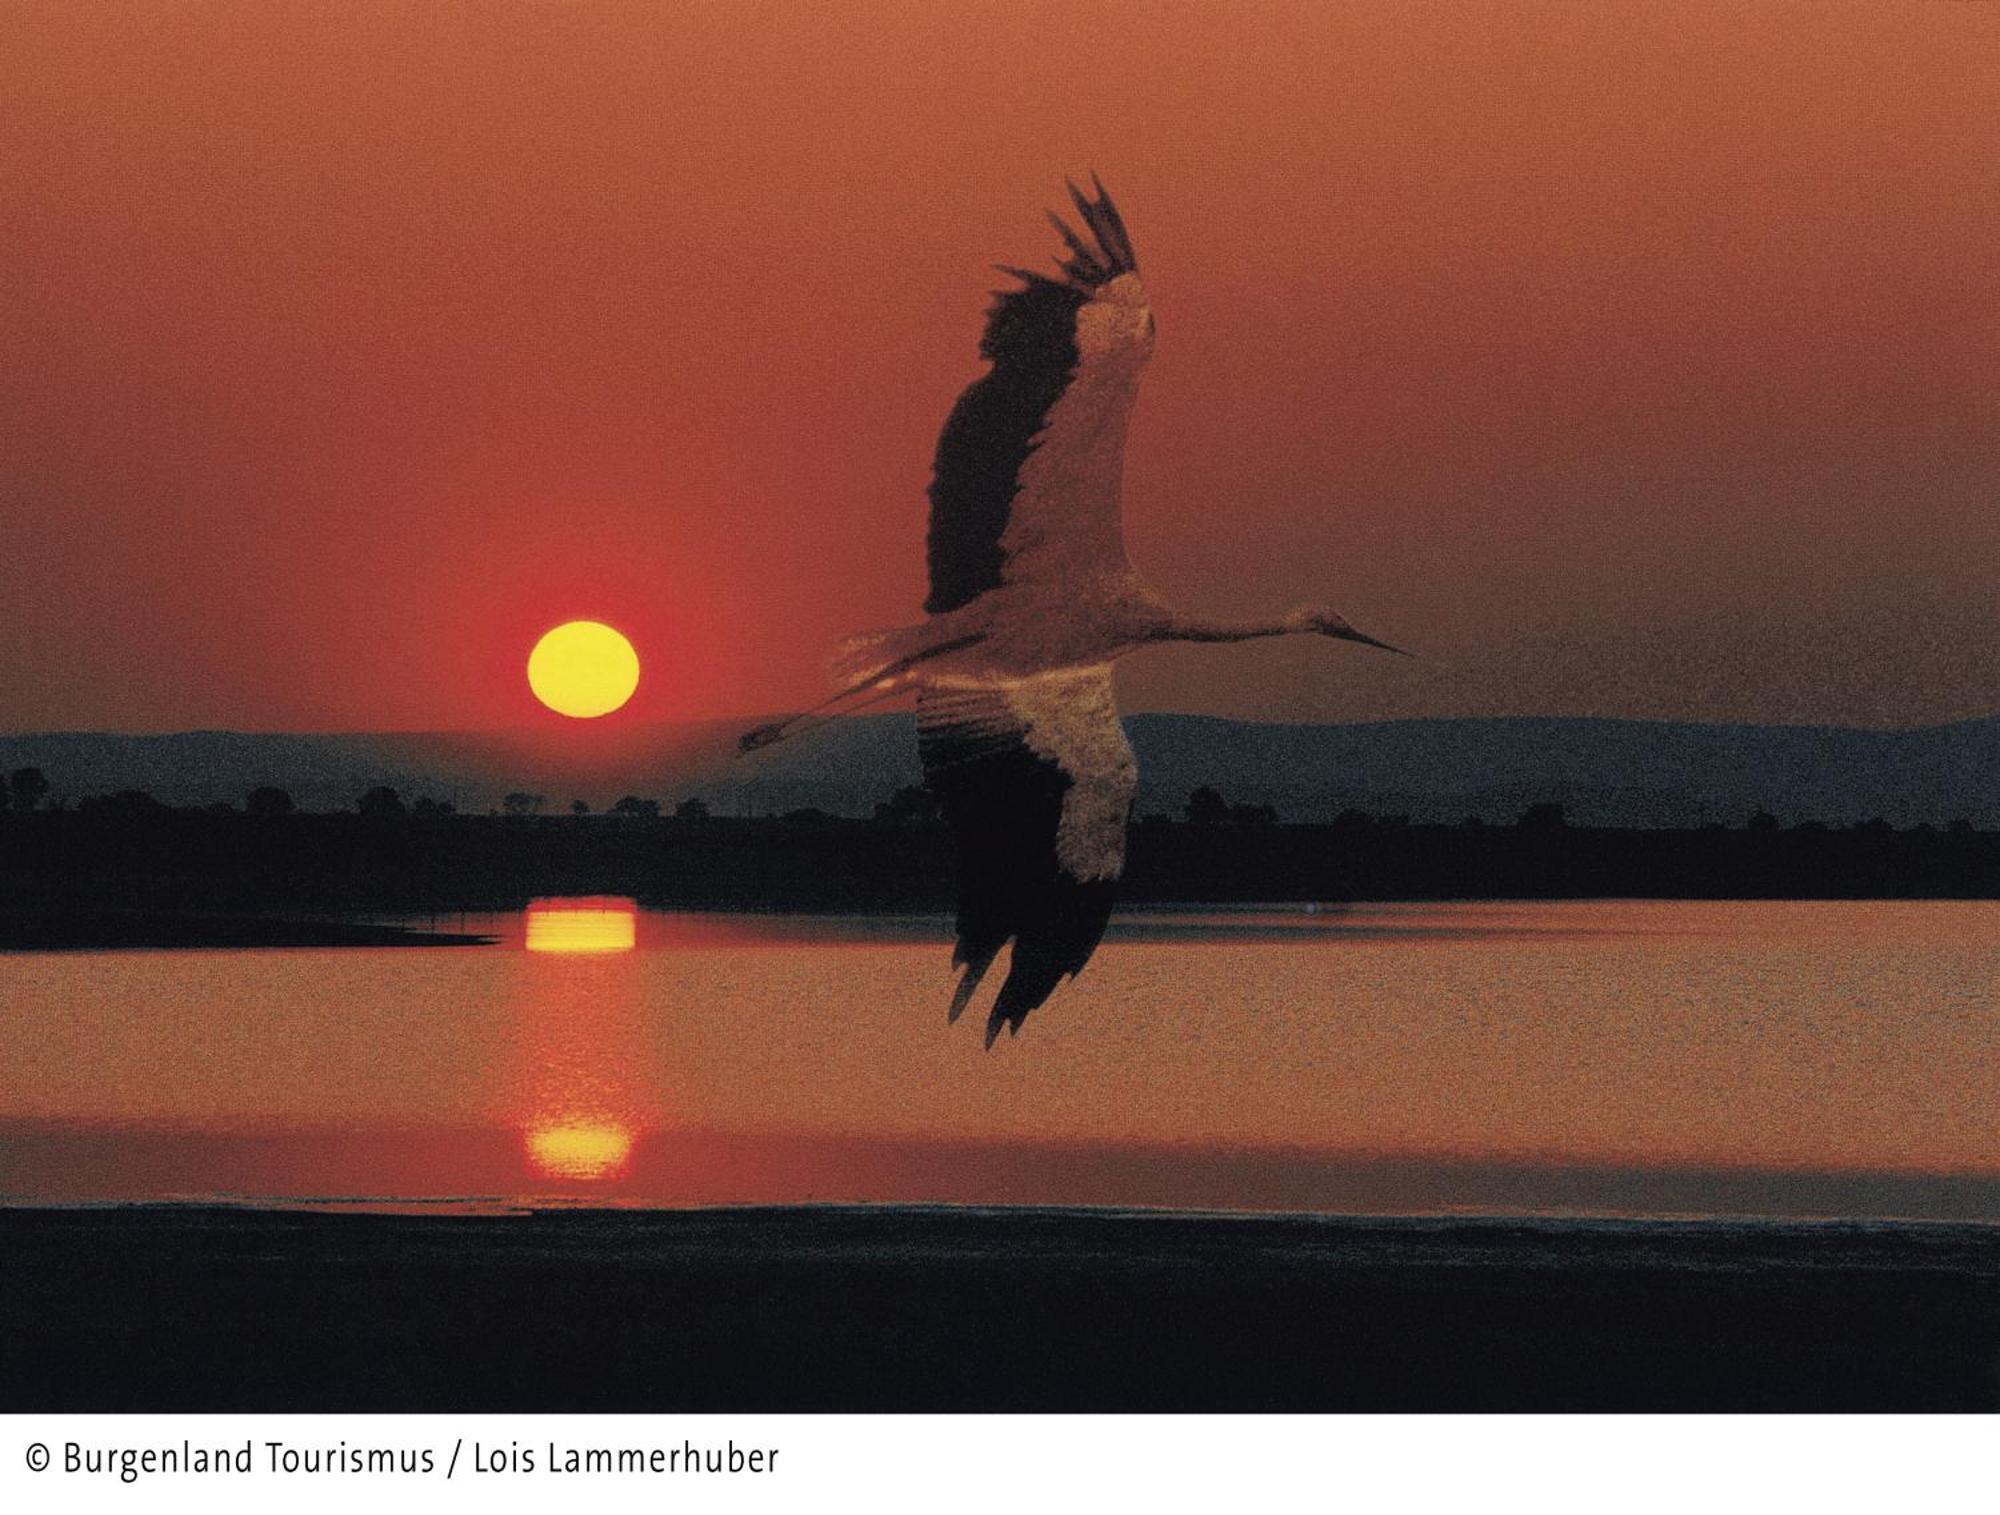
1616,1058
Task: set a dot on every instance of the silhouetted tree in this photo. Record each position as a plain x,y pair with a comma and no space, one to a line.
520,803
431,808
1354,820
26,788
381,804
637,808
1253,817
1546,816
693,811
912,805
1763,823
1205,807
1874,826
578,807
266,801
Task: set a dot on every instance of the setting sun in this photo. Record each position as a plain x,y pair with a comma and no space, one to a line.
583,669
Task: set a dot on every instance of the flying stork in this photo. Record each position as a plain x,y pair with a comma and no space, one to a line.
1031,601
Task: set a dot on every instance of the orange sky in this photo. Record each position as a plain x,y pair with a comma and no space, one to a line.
1630,359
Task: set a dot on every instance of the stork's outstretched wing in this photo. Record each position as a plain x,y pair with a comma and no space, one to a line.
1025,485
1037,780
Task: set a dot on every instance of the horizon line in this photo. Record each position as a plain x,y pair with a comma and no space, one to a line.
753,718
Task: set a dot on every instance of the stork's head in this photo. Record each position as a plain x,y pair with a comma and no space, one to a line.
1320,621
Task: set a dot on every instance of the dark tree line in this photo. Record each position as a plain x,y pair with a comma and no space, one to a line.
26,791
127,849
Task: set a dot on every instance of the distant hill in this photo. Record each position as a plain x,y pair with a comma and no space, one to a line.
1604,772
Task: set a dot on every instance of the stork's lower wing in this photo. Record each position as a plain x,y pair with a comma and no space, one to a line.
1037,779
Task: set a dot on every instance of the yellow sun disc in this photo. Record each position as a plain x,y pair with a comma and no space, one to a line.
584,669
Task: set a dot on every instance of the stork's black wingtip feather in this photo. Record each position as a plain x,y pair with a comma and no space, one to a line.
1113,254
1084,263
1070,238
1121,250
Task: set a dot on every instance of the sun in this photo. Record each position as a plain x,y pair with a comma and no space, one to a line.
583,669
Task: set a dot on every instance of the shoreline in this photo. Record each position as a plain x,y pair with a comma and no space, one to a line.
160,931
92,928
910,1308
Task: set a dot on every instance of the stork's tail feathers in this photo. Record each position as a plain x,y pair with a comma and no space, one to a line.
872,667
862,659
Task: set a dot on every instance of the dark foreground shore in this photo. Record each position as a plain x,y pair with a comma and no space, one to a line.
176,1308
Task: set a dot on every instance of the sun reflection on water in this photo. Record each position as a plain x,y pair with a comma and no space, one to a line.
593,926
579,1149
578,1009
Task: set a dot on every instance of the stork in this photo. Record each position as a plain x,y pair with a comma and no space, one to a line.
1032,599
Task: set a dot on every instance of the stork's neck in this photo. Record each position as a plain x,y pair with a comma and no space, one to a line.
1179,626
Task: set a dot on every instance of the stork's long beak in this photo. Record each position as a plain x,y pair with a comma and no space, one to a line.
1351,635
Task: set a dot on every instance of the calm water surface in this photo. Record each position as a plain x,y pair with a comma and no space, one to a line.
1603,1057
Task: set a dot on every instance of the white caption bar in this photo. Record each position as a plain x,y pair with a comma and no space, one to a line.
975,1463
